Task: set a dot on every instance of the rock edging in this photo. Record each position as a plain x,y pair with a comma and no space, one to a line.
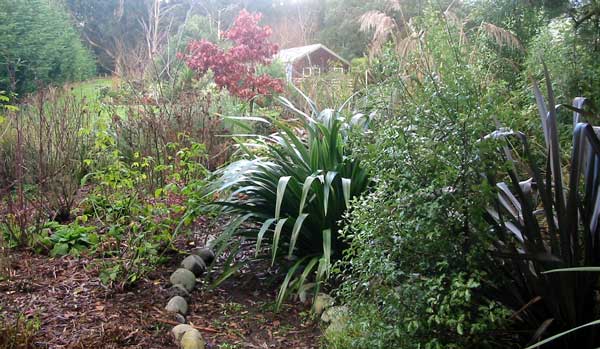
183,281
336,317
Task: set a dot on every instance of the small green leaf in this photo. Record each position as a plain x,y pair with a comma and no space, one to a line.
60,249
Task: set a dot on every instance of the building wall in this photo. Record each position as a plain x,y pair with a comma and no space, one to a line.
321,59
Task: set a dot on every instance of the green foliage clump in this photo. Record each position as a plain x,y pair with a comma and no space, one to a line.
417,271
296,189
340,30
113,187
39,46
139,218
71,239
572,60
42,147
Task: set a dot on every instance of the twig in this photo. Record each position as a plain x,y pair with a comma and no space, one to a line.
175,323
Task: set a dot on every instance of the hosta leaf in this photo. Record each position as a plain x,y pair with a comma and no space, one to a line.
60,249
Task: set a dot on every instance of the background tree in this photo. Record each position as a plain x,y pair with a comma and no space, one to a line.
39,46
295,24
127,35
340,27
236,68
110,28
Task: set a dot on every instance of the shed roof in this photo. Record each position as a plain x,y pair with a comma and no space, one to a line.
293,54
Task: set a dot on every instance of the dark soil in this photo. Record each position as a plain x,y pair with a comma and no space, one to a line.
75,310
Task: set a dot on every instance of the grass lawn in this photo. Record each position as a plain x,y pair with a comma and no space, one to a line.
90,89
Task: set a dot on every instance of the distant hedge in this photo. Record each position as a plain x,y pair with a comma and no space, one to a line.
39,46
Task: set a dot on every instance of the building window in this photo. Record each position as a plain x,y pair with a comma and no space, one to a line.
306,72
339,70
311,71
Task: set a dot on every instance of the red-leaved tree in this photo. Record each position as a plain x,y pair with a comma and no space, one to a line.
235,68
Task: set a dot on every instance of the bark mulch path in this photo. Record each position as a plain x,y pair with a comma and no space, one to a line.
74,310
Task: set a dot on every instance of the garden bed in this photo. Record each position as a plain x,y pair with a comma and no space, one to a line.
74,310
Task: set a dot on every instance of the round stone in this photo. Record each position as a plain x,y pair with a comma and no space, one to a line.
177,304
338,319
322,302
179,330
192,340
335,314
207,255
184,278
195,264
178,290
179,318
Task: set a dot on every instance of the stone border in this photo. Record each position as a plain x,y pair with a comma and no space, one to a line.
333,317
183,281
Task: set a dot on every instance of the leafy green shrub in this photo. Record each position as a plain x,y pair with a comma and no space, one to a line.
548,222
296,188
71,239
138,223
417,273
565,48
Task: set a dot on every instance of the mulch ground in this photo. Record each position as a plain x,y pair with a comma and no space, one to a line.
75,310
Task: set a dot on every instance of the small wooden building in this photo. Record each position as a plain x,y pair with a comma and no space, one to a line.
310,61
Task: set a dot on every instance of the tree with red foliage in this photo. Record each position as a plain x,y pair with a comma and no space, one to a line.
235,68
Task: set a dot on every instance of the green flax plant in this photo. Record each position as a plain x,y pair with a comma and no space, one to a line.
550,221
290,190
